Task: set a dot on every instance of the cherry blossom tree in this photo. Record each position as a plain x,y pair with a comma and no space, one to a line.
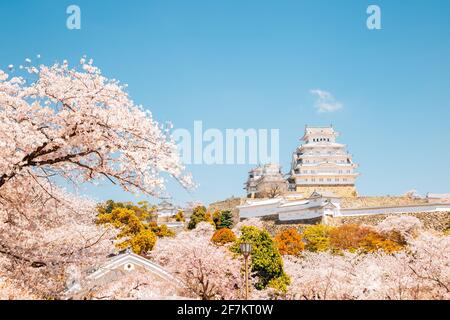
420,272
76,124
251,222
11,290
406,226
82,126
206,270
138,285
43,230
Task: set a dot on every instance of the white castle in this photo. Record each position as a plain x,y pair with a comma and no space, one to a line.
323,165
265,181
320,164
321,185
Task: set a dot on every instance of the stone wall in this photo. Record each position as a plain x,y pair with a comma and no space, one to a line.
381,201
438,221
275,227
338,190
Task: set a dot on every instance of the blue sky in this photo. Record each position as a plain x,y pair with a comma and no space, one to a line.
252,64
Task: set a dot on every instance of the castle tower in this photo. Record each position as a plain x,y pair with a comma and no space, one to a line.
266,181
321,164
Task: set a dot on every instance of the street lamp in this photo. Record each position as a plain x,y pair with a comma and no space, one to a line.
246,249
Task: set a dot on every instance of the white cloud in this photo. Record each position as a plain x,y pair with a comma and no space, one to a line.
325,102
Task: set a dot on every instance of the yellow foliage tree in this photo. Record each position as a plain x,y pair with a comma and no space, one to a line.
163,231
317,237
179,216
208,218
140,243
135,232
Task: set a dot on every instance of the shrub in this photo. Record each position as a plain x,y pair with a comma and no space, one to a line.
198,215
163,231
289,242
317,237
216,218
266,260
179,216
280,284
223,236
374,242
209,219
348,237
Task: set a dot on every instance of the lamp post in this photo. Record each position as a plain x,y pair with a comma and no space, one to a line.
246,249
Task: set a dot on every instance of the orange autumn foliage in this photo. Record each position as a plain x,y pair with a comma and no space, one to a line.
375,241
348,236
353,237
223,236
289,242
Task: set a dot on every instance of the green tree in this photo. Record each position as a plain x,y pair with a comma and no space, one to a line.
226,220
198,215
266,261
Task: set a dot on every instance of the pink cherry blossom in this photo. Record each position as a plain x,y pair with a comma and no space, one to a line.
77,125
206,270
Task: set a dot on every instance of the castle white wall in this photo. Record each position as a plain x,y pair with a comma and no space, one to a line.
393,210
258,210
311,210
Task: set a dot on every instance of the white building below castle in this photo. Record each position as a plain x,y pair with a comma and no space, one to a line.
321,206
